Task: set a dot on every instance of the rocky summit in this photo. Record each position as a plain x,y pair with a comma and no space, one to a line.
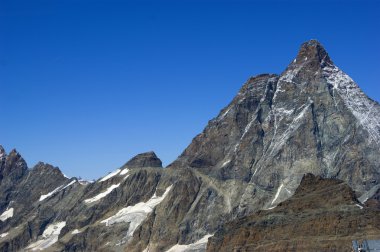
241,181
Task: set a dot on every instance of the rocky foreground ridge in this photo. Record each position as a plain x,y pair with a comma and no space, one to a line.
312,118
322,215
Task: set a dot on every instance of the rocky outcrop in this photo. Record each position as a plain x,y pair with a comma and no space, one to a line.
322,215
147,159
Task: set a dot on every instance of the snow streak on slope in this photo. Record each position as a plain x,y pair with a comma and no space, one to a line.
199,245
49,237
60,188
75,231
365,110
103,194
110,175
136,214
125,171
7,214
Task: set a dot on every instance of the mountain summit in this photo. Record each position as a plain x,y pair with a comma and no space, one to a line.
312,51
312,118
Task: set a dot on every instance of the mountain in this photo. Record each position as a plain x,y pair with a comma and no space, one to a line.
312,118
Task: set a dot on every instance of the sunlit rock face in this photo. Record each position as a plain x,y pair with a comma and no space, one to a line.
312,118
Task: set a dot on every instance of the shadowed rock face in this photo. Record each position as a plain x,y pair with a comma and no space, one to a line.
312,118
322,215
147,159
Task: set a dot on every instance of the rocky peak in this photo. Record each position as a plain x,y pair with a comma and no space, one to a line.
312,51
2,152
13,166
14,159
146,159
44,168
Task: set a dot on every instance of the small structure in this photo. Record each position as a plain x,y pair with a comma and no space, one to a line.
366,246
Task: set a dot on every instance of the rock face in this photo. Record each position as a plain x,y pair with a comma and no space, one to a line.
312,118
322,215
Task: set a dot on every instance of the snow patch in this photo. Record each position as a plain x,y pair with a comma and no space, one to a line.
199,245
277,193
69,184
359,206
280,188
226,162
136,214
125,171
7,214
49,237
114,173
102,194
44,196
75,231
60,188
84,182
3,235
66,176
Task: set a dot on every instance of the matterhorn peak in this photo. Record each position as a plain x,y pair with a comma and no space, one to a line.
312,50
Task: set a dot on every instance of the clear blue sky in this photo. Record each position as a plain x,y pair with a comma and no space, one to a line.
85,85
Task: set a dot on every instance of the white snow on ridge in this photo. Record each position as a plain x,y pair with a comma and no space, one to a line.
136,214
49,237
125,171
44,196
3,235
69,184
59,188
7,214
84,182
114,173
199,245
366,111
102,194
